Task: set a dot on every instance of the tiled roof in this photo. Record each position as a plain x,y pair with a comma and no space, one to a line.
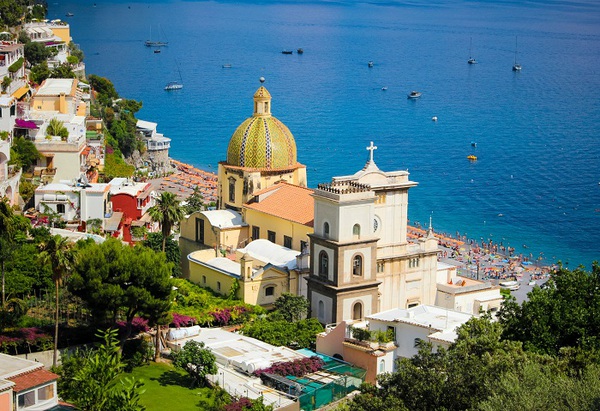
287,201
32,379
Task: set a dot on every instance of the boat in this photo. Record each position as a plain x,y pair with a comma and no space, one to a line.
370,64
152,43
472,157
175,85
414,94
510,285
473,144
287,52
69,14
157,50
226,66
516,66
384,88
300,51
471,59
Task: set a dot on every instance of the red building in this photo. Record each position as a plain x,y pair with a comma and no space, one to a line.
130,204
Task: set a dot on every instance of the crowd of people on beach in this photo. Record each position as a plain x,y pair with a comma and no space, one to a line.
188,178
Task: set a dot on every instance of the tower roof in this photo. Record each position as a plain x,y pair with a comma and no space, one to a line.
262,141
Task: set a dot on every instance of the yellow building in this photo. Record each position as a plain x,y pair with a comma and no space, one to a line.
261,152
263,271
59,95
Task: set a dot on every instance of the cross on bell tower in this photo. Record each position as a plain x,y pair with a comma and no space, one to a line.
371,148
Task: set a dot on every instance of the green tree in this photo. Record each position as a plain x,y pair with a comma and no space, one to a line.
172,251
563,314
92,380
57,128
11,226
277,331
62,71
75,51
197,361
167,212
292,307
195,202
39,72
58,253
36,53
5,83
23,153
115,279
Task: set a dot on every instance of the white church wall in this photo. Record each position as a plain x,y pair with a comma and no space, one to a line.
360,214
326,212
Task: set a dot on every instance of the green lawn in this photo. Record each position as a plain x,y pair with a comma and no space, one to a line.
168,388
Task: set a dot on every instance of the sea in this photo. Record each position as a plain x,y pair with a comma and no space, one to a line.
536,183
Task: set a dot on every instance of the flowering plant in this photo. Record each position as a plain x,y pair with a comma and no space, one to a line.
182,320
297,368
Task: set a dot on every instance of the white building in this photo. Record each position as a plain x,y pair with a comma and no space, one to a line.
9,176
158,147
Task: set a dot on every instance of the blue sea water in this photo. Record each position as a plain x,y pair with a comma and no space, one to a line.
536,184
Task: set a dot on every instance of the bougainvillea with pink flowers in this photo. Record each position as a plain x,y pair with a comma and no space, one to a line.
298,368
25,340
138,325
181,320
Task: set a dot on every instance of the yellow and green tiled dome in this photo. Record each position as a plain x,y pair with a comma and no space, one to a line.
262,141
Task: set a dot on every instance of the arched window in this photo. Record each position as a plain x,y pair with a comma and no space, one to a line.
382,366
232,190
326,230
321,310
203,279
357,265
323,263
356,231
357,311
269,291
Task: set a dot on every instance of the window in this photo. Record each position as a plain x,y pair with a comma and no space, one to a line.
356,231
321,311
323,263
271,236
326,230
413,304
392,330
380,199
46,393
200,230
418,342
203,279
255,232
266,106
357,265
13,110
27,399
218,286
60,208
303,245
380,267
375,224
232,190
357,310
382,366
413,263
287,241
269,291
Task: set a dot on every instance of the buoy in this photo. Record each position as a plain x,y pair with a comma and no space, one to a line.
434,118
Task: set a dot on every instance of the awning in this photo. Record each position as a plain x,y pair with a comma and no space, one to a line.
21,92
112,223
20,123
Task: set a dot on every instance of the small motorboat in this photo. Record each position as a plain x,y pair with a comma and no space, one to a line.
70,14
173,85
300,51
434,118
370,64
473,144
157,50
226,66
414,94
472,61
287,52
384,88
472,157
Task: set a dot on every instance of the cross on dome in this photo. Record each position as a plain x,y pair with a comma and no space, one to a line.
371,148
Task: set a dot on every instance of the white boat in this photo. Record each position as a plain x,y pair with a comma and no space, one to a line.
516,66
414,94
471,59
510,285
175,85
370,64
157,43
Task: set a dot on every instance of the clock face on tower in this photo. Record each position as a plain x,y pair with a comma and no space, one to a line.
376,224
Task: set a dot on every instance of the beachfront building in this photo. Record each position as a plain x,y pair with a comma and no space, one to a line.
262,270
129,206
8,113
261,152
361,260
468,295
404,327
25,384
157,154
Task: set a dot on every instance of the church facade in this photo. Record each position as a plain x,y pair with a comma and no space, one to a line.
361,262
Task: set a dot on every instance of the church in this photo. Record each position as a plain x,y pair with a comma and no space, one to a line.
354,258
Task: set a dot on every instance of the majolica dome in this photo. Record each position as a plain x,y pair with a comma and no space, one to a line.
262,141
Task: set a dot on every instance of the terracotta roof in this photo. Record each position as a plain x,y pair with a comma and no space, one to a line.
287,201
32,379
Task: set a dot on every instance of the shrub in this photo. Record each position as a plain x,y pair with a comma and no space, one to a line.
138,325
297,368
181,320
25,340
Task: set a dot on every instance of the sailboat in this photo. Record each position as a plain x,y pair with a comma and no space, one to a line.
151,43
175,85
516,66
471,59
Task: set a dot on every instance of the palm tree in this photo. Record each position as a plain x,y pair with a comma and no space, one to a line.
58,252
167,212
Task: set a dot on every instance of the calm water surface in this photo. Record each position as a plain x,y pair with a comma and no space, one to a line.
537,179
